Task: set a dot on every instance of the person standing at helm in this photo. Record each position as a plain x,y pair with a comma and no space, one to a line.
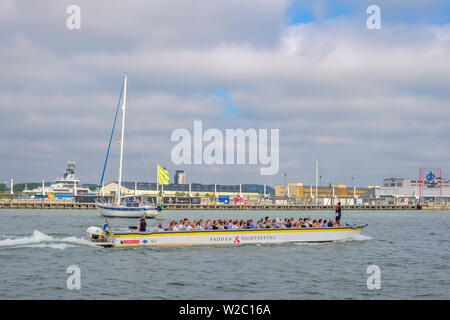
142,224
338,211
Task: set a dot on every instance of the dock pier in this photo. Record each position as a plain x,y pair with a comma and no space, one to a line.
39,204
21,204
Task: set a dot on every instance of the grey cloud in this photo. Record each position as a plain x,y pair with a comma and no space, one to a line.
365,104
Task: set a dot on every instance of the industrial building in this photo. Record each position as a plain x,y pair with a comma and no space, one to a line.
410,183
180,177
206,192
325,194
409,191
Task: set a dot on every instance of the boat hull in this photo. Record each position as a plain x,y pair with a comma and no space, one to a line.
228,237
123,212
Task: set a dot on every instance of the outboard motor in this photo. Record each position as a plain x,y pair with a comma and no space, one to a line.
95,234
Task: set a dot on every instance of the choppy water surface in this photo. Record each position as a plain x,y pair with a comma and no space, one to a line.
410,247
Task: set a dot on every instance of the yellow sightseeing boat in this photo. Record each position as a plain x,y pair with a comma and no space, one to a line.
129,237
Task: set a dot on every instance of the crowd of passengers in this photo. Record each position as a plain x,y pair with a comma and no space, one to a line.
230,224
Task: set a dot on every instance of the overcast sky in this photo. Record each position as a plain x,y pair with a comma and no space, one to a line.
368,104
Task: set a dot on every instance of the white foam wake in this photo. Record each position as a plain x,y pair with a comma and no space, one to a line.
361,237
41,240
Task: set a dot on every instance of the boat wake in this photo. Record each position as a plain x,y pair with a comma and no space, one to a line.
361,237
41,240
357,237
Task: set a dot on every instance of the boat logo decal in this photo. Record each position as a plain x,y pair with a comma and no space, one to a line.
131,241
236,240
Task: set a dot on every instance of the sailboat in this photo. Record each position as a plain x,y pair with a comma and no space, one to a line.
120,207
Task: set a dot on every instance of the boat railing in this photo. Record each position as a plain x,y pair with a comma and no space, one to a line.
134,229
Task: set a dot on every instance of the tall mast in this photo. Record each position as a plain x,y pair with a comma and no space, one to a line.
121,140
317,178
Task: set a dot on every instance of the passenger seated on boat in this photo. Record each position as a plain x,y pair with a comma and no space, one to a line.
288,223
318,224
336,224
260,224
330,223
280,225
208,225
304,224
309,222
175,227
159,227
251,224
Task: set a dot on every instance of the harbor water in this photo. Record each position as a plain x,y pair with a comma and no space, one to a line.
410,248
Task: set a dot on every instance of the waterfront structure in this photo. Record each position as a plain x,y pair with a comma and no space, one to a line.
412,183
430,187
65,188
331,194
405,195
180,177
209,192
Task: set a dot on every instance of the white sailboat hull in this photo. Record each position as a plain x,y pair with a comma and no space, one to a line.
112,211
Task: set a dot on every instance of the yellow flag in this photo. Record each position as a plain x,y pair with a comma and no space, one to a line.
163,175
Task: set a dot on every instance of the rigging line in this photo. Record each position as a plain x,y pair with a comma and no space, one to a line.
138,131
110,139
